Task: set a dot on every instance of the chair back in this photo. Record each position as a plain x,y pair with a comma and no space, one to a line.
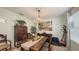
3,38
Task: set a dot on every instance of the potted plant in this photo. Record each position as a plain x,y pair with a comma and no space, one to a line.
33,31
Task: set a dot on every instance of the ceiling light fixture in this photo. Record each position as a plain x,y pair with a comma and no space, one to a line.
38,17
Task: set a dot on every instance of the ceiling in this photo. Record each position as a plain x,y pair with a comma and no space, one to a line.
45,12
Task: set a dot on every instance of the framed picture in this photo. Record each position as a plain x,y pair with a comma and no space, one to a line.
45,25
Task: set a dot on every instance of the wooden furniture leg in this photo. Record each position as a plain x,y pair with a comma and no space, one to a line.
49,46
22,49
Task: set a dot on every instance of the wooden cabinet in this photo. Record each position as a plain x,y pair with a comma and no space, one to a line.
20,35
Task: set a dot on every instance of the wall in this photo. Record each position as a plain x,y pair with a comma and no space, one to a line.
73,20
74,46
42,31
57,23
73,10
8,26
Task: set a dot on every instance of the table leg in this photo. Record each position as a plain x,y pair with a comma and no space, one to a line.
22,49
49,47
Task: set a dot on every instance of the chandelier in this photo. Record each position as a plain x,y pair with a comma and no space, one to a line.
38,15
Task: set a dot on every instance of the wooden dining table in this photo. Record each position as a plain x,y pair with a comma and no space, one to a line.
33,44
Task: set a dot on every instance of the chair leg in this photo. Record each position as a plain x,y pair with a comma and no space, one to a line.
6,49
22,49
10,48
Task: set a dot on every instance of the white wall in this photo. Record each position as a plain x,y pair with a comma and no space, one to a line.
8,26
73,31
42,31
57,23
74,28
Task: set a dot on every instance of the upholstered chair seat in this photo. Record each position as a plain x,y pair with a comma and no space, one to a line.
4,43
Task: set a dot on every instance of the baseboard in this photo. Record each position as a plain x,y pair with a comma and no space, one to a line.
74,46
